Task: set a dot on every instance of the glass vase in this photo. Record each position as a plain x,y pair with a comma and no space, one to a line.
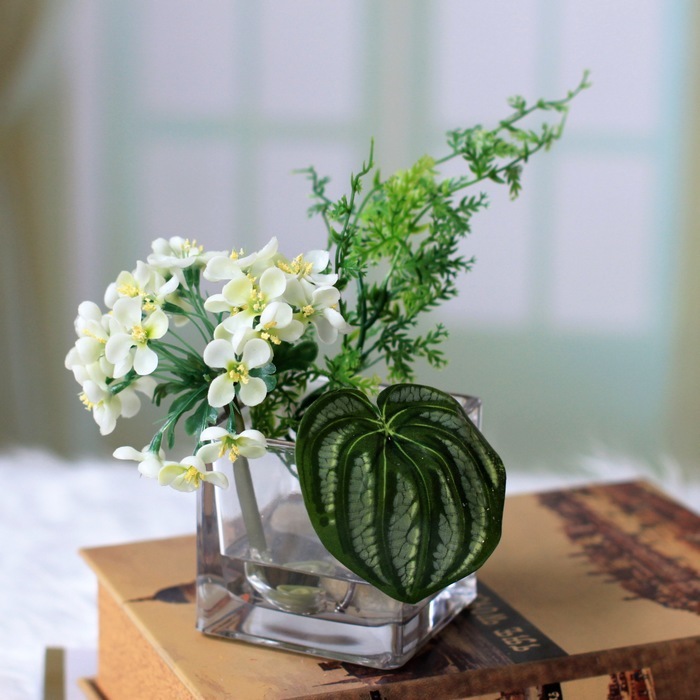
264,577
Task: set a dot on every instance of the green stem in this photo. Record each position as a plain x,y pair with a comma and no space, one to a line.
246,497
196,353
195,299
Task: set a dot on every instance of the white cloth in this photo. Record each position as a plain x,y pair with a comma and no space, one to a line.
49,509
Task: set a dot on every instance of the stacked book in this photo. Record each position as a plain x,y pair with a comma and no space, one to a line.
594,593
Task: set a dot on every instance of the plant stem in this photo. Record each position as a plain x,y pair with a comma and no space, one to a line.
246,497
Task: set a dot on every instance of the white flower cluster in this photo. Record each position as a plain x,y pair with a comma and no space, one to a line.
266,299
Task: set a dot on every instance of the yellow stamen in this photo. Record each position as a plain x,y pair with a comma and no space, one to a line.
128,290
90,334
257,301
86,401
270,338
188,247
239,374
139,334
308,311
193,476
298,267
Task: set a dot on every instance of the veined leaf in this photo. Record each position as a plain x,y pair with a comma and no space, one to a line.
408,494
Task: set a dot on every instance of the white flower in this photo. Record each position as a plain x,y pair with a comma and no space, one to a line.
107,407
226,267
247,443
319,308
189,474
245,298
144,282
221,354
277,323
98,371
89,317
92,328
175,252
130,331
150,463
308,268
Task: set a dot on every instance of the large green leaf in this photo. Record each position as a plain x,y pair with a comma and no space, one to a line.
407,494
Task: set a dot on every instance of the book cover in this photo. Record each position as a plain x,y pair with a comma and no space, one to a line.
586,583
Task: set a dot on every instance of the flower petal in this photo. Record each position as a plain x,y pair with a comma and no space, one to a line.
130,403
217,304
221,391
222,267
256,353
156,325
219,353
326,332
118,346
169,473
243,319
89,350
217,478
277,313
90,311
151,466
128,311
254,392
169,287
252,444
325,296
105,415
319,259
209,453
145,360
335,318
295,295
129,453
238,291
291,332
273,283
214,432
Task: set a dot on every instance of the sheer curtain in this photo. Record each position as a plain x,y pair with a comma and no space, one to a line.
197,127
683,412
33,224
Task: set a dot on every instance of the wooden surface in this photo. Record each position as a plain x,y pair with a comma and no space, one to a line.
588,582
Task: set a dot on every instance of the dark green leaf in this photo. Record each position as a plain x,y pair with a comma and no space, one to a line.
299,356
204,416
407,494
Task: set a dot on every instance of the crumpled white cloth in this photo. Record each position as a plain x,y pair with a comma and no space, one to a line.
50,508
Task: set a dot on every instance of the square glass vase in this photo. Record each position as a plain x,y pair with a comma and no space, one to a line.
264,577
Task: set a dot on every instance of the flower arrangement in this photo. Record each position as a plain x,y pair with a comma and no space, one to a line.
400,486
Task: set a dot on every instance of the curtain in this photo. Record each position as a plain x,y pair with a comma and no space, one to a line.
33,224
683,426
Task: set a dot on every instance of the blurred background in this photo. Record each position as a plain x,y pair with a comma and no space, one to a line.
125,120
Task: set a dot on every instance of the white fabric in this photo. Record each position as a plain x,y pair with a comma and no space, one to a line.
49,508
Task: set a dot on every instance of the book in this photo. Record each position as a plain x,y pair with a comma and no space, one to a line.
593,587
65,671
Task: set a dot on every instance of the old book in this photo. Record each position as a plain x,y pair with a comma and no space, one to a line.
599,583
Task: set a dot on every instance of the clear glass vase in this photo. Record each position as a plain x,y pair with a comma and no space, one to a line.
264,577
